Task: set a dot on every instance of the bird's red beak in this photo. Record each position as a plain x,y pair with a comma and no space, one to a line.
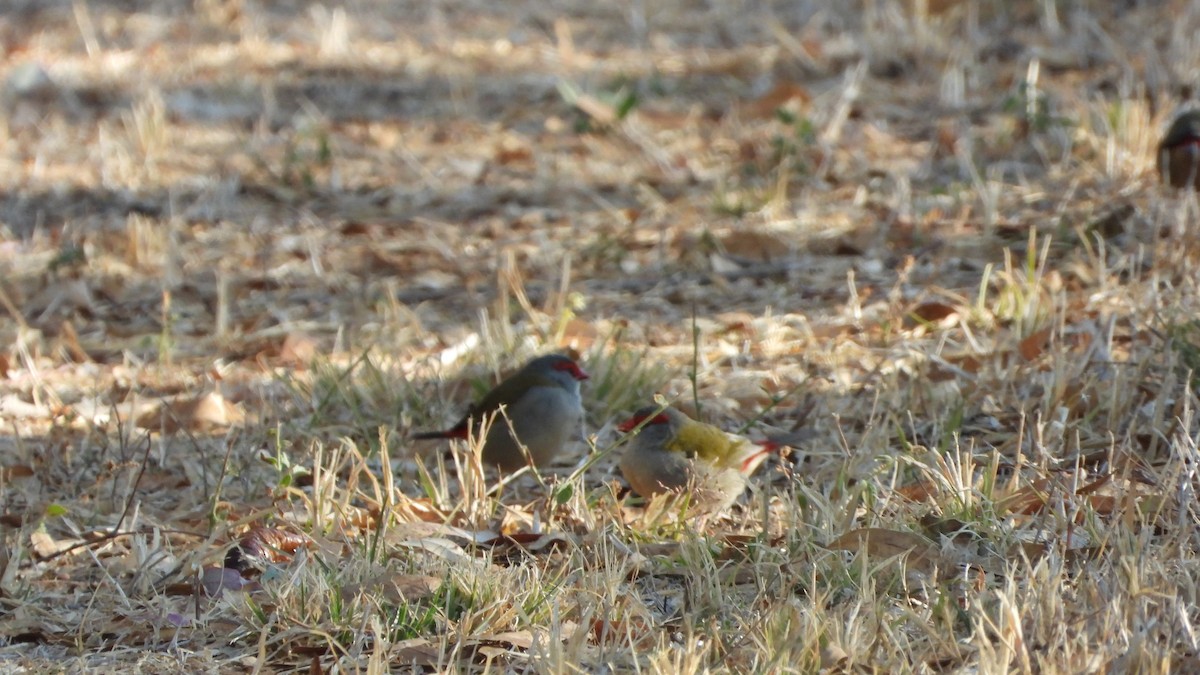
572,368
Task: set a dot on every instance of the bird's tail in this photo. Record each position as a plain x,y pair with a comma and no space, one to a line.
457,431
429,435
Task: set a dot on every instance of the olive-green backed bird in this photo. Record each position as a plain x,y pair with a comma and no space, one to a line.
675,452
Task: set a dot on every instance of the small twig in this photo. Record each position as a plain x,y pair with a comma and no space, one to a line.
109,536
8,304
136,482
216,495
695,362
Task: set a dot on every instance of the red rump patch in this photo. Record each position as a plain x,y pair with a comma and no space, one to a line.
755,457
460,430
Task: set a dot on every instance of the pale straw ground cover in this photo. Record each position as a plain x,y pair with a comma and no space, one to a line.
246,247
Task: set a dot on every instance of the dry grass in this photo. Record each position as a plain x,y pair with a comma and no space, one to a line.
245,246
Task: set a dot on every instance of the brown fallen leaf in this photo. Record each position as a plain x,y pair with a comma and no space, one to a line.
919,491
1032,346
636,629
396,589
262,546
783,96
883,543
935,312
1034,498
832,331
298,350
1026,500
511,150
415,652
15,471
833,657
579,334
966,362
420,509
495,645
492,645
1028,549
937,7
200,414
358,228
755,245
402,532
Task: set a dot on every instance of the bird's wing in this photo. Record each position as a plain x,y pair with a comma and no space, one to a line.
705,441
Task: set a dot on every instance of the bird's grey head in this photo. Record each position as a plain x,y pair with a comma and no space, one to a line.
563,370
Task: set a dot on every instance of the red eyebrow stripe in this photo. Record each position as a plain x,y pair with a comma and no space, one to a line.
632,423
572,368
